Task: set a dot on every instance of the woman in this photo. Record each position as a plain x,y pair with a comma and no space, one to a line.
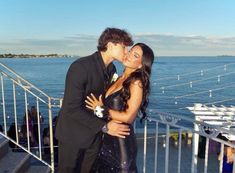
122,102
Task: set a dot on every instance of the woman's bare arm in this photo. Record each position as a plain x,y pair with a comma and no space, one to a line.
136,92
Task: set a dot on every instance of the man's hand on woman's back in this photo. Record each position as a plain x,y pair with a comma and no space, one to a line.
116,128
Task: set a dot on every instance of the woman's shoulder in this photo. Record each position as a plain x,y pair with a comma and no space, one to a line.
138,83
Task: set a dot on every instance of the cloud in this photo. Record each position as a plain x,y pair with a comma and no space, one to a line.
78,45
188,45
162,44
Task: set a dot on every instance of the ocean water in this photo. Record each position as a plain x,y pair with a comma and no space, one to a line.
176,82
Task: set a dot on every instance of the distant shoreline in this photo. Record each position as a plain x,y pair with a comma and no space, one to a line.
77,56
36,56
225,56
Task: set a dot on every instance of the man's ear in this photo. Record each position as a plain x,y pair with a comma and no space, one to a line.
109,45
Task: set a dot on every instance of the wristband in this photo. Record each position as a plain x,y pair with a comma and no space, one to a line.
105,128
101,112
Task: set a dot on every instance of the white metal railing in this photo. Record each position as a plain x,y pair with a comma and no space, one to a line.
164,126
157,133
17,94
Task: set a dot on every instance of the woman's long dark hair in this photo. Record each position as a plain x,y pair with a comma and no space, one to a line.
142,74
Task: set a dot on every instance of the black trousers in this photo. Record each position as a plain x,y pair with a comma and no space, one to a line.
75,159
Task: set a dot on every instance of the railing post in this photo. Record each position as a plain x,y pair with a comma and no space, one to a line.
27,119
206,155
15,112
156,147
167,148
221,158
51,135
195,149
39,130
3,106
61,102
145,145
179,154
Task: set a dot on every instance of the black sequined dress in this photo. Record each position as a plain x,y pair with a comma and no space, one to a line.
117,154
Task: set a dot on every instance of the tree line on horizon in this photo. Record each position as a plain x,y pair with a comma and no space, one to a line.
10,55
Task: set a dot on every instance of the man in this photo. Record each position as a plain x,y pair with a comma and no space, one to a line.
79,130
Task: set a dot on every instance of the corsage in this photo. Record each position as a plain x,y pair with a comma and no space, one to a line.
101,112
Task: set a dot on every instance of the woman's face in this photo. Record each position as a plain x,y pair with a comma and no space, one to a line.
134,58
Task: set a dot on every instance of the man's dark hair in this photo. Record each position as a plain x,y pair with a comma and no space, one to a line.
114,35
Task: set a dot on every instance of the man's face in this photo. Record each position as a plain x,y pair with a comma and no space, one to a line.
119,51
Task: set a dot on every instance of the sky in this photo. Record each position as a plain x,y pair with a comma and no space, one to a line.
169,27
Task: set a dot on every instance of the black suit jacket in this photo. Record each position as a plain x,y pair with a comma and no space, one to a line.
76,124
